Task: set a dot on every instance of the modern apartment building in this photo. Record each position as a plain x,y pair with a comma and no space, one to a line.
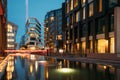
53,30
11,35
33,34
92,26
3,29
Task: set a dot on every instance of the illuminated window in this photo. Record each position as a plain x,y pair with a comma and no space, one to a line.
46,29
10,45
10,40
59,37
32,35
77,17
112,45
9,28
83,47
10,34
91,9
100,5
67,6
75,3
102,46
78,46
32,29
83,2
52,19
71,4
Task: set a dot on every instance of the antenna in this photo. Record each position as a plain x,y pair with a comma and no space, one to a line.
26,10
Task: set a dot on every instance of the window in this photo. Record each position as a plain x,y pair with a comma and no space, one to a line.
9,28
112,3
83,46
84,30
67,6
75,3
112,45
90,1
102,46
68,21
90,28
77,16
91,9
11,34
71,4
100,5
101,25
83,2
111,23
84,13
91,46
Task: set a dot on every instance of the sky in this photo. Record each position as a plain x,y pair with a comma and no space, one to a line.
36,8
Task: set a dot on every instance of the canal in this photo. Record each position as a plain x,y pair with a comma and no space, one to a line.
36,67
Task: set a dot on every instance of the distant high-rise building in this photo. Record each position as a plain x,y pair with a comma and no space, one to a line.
3,24
33,34
53,30
11,35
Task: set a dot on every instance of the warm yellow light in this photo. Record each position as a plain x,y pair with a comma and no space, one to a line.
65,70
102,45
31,68
32,48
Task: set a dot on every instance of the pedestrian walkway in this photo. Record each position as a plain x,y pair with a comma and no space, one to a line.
87,59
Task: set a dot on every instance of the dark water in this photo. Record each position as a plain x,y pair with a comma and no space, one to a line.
42,68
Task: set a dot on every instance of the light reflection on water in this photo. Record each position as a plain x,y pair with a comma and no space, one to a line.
41,68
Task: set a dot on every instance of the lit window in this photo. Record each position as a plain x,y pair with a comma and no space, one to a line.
75,3
77,16
102,46
83,47
100,5
32,35
10,40
9,28
10,34
52,19
78,46
91,9
59,37
71,5
83,2
46,29
67,6
112,45
91,46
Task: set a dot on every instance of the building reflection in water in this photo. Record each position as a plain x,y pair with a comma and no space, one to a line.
44,68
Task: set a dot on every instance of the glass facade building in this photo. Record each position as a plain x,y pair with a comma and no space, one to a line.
33,34
53,30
